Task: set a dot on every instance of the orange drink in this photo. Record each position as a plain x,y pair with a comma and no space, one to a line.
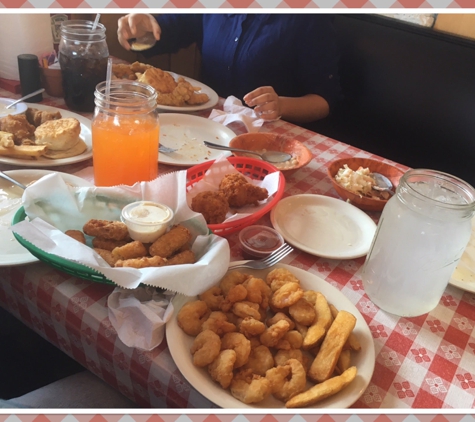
124,153
125,133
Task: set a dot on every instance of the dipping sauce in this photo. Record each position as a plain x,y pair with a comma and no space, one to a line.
147,220
259,241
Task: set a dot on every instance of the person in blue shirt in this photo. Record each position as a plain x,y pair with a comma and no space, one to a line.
283,65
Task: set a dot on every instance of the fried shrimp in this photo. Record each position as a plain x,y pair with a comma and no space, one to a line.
287,380
240,344
213,297
221,369
218,323
251,327
277,317
291,340
205,348
258,291
250,388
230,280
246,309
191,316
282,356
278,277
303,312
286,295
260,360
271,336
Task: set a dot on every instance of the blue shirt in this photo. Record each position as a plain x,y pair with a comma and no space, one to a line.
296,54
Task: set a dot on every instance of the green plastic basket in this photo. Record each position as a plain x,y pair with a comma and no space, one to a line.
69,267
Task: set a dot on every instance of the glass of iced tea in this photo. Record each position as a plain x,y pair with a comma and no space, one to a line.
125,133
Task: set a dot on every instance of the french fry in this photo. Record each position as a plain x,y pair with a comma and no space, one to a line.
344,361
323,390
317,330
324,363
352,342
23,151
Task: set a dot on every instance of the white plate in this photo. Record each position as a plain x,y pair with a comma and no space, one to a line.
187,133
464,275
179,345
11,252
16,109
47,162
324,226
212,95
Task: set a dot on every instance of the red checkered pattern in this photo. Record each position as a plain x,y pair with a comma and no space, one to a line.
423,362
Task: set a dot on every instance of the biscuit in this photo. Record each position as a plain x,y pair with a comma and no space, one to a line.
58,135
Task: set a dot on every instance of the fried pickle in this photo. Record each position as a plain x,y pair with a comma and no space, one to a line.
108,244
185,257
77,235
114,230
144,262
166,245
135,249
106,256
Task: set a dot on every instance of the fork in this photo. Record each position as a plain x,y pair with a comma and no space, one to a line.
166,150
267,262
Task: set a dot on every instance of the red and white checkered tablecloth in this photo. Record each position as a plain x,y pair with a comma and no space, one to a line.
424,362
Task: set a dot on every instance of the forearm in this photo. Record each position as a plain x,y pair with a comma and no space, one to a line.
304,109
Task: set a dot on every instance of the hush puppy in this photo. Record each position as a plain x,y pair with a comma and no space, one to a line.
213,206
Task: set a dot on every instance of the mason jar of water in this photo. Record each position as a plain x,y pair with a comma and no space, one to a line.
83,55
421,236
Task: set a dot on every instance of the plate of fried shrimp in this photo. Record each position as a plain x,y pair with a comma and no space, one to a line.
254,341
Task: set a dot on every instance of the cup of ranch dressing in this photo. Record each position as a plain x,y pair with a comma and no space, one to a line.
147,220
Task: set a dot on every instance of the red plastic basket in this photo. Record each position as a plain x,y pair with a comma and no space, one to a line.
250,167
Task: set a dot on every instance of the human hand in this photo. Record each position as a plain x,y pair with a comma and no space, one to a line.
266,103
135,25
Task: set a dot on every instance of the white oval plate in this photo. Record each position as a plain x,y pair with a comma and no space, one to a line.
213,98
11,252
16,109
464,274
186,133
48,162
179,345
324,226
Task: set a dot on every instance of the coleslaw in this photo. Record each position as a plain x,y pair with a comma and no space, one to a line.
360,182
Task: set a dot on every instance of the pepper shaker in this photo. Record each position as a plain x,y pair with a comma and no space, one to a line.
30,79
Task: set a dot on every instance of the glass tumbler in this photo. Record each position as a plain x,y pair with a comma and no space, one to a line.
125,133
421,236
83,55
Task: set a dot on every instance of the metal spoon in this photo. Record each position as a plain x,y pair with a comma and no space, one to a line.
39,91
142,43
269,156
16,182
383,184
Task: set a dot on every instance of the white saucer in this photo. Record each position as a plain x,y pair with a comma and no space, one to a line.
324,226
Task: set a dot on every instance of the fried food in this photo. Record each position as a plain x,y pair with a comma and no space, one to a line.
231,279
250,388
166,245
271,336
240,344
280,276
213,297
198,98
323,390
260,360
287,380
324,363
319,327
18,126
162,81
106,255
239,192
113,230
218,323
287,295
205,348
143,262
108,244
6,140
77,235
37,117
292,340
185,257
135,249
303,312
213,205
191,317
352,343
257,291
221,369
251,327
246,309
23,151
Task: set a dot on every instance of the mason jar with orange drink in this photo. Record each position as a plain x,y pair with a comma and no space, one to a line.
125,133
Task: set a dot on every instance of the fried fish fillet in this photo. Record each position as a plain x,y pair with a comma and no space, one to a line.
162,81
239,192
105,229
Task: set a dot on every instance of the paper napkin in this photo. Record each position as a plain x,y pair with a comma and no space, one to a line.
233,110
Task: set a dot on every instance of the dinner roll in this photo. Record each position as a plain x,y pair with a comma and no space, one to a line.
58,135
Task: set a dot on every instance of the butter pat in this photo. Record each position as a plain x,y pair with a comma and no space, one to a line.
147,220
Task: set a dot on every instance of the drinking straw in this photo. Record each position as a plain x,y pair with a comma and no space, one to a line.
94,26
108,77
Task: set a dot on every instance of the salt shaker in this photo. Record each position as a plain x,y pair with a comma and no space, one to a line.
421,236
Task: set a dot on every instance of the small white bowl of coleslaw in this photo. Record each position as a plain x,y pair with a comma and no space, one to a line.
352,179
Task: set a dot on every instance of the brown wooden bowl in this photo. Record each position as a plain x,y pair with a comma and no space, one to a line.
273,142
364,203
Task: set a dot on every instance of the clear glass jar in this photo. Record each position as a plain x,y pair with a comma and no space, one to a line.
83,55
125,133
421,236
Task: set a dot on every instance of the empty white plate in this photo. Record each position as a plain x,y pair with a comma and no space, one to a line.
324,226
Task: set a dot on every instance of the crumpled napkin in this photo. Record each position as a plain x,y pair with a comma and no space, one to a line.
233,111
139,316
